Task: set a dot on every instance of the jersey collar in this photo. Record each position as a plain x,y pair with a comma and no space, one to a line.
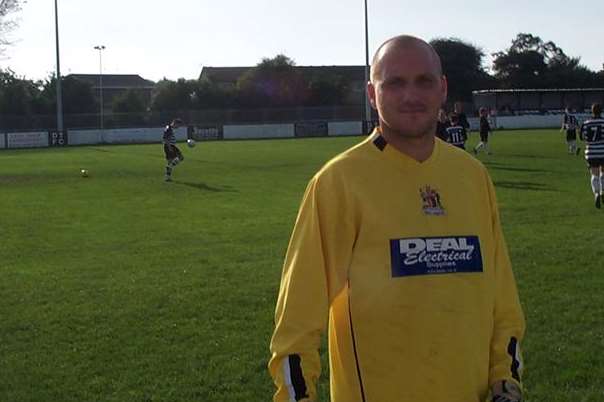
381,145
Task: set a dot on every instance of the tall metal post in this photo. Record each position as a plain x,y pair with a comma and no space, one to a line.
100,48
59,89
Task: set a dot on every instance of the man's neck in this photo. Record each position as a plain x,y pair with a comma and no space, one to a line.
418,148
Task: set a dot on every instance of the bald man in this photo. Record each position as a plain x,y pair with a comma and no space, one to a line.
398,250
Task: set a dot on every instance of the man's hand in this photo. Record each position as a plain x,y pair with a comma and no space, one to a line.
506,391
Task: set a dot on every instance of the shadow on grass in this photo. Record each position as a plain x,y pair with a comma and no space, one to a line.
101,150
500,166
205,187
122,152
524,185
529,156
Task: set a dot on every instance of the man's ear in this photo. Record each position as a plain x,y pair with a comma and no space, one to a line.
371,94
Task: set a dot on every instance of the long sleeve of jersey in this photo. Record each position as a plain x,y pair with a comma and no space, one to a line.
313,274
509,324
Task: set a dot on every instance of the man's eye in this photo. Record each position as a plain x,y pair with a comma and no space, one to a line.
425,82
394,84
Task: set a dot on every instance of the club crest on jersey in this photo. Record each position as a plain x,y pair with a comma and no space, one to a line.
435,255
431,203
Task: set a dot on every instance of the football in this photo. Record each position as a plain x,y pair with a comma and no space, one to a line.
191,143
84,173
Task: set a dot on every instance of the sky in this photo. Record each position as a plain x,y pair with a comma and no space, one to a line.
176,38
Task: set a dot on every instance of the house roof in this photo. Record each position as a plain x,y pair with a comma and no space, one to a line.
232,74
118,81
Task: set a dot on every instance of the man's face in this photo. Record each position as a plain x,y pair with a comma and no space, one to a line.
408,90
458,107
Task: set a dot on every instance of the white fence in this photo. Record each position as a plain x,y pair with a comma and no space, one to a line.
27,140
258,131
154,135
345,127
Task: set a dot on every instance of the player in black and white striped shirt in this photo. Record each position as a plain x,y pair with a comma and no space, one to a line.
570,124
173,154
456,133
592,132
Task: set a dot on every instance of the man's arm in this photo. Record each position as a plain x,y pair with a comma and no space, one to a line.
506,364
313,273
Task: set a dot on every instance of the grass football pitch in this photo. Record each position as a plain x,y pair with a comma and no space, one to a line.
120,287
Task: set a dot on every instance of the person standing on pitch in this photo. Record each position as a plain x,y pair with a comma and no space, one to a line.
456,133
398,249
171,151
592,132
485,129
570,124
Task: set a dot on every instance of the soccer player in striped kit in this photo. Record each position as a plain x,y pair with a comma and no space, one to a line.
171,151
456,133
485,129
570,124
592,132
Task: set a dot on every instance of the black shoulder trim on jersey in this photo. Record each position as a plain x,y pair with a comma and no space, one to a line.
380,142
297,377
354,343
512,351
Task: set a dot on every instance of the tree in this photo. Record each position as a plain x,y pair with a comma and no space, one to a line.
131,101
326,90
209,95
18,96
273,82
520,69
78,96
7,8
172,96
462,64
532,63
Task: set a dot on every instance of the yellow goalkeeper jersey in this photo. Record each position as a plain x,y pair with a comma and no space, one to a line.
406,264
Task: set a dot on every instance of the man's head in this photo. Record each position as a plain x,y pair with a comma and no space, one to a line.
483,111
596,110
454,118
407,86
458,107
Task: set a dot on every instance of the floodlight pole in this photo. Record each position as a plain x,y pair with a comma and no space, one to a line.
367,106
100,48
59,91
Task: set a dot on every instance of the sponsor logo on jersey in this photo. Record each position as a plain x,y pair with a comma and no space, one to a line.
431,203
435,255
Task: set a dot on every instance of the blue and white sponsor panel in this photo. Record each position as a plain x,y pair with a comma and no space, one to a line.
258,131
435,255
338,128
37,139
